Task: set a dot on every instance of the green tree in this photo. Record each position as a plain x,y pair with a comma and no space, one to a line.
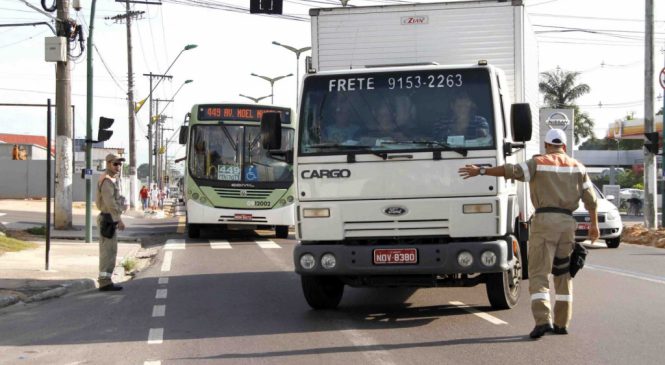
560,90
142,171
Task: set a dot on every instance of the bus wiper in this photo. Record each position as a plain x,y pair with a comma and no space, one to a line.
445,146
349,148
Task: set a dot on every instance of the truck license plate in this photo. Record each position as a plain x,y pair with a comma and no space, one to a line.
243,217
583,226
392,256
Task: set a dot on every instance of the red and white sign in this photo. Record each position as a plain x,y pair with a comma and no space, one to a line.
243,217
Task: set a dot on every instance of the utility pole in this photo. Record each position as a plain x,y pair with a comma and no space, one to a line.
650,204
133,183
63,141
150,121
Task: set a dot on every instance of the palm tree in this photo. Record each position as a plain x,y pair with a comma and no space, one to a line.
560,91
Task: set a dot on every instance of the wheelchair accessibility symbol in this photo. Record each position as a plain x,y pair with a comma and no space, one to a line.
251,174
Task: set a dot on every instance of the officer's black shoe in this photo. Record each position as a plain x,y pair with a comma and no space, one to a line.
539,331
110,287
560,330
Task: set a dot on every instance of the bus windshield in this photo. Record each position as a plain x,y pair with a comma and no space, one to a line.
233,154
400,110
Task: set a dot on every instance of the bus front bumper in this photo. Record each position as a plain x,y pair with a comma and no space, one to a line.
198,213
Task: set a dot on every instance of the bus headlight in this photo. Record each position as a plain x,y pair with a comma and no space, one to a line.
328,261
465,259
316,212
289,198
488,258
195,196
307,261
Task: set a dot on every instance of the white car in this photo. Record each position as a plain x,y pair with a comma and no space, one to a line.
609,221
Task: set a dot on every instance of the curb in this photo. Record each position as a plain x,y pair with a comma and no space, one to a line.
68,288
125,239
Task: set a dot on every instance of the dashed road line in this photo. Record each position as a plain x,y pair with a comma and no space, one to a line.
168,258
220,245
175,245
152,362
159,311
163,281
268,244
155,336
181,225
629,274
488,317
161,293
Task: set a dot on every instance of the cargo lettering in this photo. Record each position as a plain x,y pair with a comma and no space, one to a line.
352,84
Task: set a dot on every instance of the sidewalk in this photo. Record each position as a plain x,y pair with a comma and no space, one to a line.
73,266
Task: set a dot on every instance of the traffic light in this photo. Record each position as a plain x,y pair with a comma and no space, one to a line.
651,142
265,6
104,124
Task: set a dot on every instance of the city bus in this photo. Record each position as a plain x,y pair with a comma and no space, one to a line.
230,181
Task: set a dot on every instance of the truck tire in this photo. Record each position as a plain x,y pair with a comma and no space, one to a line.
193,230
613,242
322,292
282,231
503,288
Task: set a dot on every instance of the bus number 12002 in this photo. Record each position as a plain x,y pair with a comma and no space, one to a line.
258,203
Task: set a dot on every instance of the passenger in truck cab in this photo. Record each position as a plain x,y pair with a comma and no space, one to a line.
405,117
463,124
345,124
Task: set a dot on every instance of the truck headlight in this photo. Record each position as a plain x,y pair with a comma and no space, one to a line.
488,258
328,261
465,259
307,261
477,208
316,212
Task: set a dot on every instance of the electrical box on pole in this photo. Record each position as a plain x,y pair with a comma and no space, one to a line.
104,134
265,6
651,142
55,49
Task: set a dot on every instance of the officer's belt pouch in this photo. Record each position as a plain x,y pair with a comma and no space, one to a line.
107,225
577,258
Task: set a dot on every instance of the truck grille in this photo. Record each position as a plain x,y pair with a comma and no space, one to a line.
421,227
243,193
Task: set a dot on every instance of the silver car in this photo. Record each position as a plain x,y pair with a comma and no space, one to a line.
609,221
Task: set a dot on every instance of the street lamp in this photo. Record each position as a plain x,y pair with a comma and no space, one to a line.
174,94
297,51
272,81
166,147
256,100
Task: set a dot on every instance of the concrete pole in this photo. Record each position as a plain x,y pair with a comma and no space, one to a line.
150,135
650,204
88,127
63,139
133,188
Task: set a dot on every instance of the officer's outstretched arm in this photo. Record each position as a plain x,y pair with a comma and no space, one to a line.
473,170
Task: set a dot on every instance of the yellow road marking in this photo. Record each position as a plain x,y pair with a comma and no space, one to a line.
181,225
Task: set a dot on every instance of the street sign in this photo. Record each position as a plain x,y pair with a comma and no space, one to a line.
661,78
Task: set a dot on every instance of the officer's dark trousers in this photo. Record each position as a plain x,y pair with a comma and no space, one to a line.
544,250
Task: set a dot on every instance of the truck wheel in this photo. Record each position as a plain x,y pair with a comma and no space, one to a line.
503,288
613,243
193,231
322,292
282,231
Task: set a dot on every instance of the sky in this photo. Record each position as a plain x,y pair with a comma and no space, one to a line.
601,39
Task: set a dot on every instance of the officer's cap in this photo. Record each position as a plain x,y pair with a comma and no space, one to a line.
111,157
556,137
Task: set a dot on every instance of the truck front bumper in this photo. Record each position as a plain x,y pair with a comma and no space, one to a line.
432,259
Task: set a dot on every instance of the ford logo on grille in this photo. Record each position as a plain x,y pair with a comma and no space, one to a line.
394,211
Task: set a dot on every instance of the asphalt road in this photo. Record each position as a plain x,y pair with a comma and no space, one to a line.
236,300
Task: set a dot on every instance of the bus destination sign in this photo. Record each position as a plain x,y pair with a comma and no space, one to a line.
245,113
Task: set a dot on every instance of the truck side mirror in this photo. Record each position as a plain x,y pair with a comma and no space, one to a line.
271,131
520,120
184,131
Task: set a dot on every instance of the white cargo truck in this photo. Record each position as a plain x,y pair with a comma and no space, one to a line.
397,98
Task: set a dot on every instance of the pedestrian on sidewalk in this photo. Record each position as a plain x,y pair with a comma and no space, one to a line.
557,182
143,193
109,220
154,197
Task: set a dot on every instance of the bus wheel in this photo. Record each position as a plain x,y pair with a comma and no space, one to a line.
193,231
282,231
322,292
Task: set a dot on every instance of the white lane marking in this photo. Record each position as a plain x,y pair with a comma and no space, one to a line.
220,245
488,317
629,274
3,214
268,244
175,245
161,293
152,362
4,223
163,281
155,336
378,356
159,311
168,257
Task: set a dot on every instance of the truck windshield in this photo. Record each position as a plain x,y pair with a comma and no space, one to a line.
233,153
397,111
